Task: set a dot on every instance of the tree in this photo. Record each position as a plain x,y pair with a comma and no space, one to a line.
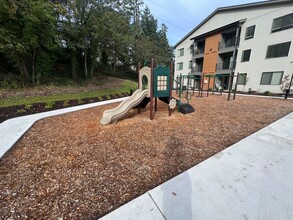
27,28
286,82
165,50
37,36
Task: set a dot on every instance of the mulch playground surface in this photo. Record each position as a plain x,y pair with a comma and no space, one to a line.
71,167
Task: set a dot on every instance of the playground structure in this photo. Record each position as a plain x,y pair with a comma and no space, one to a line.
185,85
153,84
158,83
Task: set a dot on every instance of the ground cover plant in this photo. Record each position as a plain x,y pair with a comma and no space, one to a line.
71,167
57,93
19,102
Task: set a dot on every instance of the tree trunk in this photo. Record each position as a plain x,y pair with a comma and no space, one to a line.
93,67
85,64
114,69
22,68
73,66
33,67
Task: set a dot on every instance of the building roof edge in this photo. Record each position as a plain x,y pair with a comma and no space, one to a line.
233,7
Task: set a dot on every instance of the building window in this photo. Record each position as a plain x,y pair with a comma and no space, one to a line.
180,66
271,78
278,50
191,49
249,32
227,63
200,48
245,55
180,52
242,79
190,64
283,23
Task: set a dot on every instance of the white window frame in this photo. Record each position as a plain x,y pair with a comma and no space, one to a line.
242,58
282,20
180,52
242,76
180,65
271,77
247,31
277,50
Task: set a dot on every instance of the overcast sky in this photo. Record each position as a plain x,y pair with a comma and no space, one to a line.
181,16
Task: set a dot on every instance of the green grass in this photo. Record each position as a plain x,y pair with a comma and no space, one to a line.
125,87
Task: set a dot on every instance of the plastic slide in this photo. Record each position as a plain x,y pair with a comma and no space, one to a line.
115,114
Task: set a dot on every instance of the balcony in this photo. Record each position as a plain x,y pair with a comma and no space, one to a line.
225,67
228,45
198,53
197,70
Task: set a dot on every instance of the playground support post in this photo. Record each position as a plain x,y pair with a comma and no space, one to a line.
187,86
222,83
151,90
177,80
180,88
193,85
230,84
171,86
138,70
139,86
234,60
235,88
202,82
214,85
208,90
199,88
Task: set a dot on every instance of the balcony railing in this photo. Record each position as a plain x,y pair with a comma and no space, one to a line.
232,42
225,66
196,69
198,51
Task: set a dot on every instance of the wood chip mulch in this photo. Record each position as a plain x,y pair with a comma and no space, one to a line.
71,167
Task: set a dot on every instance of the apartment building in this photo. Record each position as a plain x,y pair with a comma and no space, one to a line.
254,40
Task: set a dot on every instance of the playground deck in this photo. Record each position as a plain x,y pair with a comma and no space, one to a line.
70,166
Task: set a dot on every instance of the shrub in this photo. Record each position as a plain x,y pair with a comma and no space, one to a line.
66,103
28,106
49,105
80,101
10,81
21,111
267,93
250,91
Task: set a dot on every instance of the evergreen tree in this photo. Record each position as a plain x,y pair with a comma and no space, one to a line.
35,36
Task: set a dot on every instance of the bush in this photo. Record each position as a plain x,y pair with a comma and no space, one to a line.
66,103
10,81
251,91
28,106
267,93
21,111
49,104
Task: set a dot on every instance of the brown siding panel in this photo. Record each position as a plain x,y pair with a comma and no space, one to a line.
211,56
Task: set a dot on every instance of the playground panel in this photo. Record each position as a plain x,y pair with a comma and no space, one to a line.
161,81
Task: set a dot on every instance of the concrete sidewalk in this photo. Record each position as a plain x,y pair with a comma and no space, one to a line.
12,130
252,179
